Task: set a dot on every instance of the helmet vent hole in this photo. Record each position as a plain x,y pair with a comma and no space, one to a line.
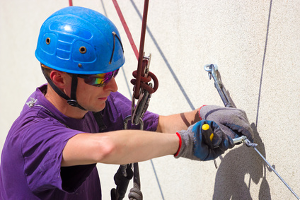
82,50
47,40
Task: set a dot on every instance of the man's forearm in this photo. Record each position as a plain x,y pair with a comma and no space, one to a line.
118,147
176,122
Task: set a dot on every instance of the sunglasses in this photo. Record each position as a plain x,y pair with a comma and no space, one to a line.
98,80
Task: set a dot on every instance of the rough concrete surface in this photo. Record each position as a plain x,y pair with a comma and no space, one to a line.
256,45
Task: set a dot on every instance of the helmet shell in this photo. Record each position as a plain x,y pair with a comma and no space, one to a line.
80,41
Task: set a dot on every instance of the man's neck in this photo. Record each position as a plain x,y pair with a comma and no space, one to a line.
62,105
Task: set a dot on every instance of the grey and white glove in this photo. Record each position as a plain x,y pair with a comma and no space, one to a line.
232,121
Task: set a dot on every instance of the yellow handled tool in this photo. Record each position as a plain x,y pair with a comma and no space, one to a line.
208,135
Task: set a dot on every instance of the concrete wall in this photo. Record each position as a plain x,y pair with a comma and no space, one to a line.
256,45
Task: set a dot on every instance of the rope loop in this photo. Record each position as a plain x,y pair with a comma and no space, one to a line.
135,194
144,82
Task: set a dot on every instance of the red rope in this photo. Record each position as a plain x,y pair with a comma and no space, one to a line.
141,52
126,29
140,79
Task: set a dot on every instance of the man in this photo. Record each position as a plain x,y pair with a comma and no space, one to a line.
52,149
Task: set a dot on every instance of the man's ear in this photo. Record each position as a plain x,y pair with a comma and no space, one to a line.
59,78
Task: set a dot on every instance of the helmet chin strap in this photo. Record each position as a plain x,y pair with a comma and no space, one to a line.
71,101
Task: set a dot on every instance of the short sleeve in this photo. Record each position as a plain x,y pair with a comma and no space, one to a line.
42,147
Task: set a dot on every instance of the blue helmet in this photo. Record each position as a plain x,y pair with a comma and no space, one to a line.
79,40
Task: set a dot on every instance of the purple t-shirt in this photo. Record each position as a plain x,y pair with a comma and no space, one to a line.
31,156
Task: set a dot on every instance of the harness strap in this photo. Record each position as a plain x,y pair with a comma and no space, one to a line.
121,178
99,119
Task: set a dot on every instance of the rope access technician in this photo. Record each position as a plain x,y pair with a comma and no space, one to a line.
52,148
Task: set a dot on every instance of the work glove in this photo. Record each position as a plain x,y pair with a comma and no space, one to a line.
232,121
193,146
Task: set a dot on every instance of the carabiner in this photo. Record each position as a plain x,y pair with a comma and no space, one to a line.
138,110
